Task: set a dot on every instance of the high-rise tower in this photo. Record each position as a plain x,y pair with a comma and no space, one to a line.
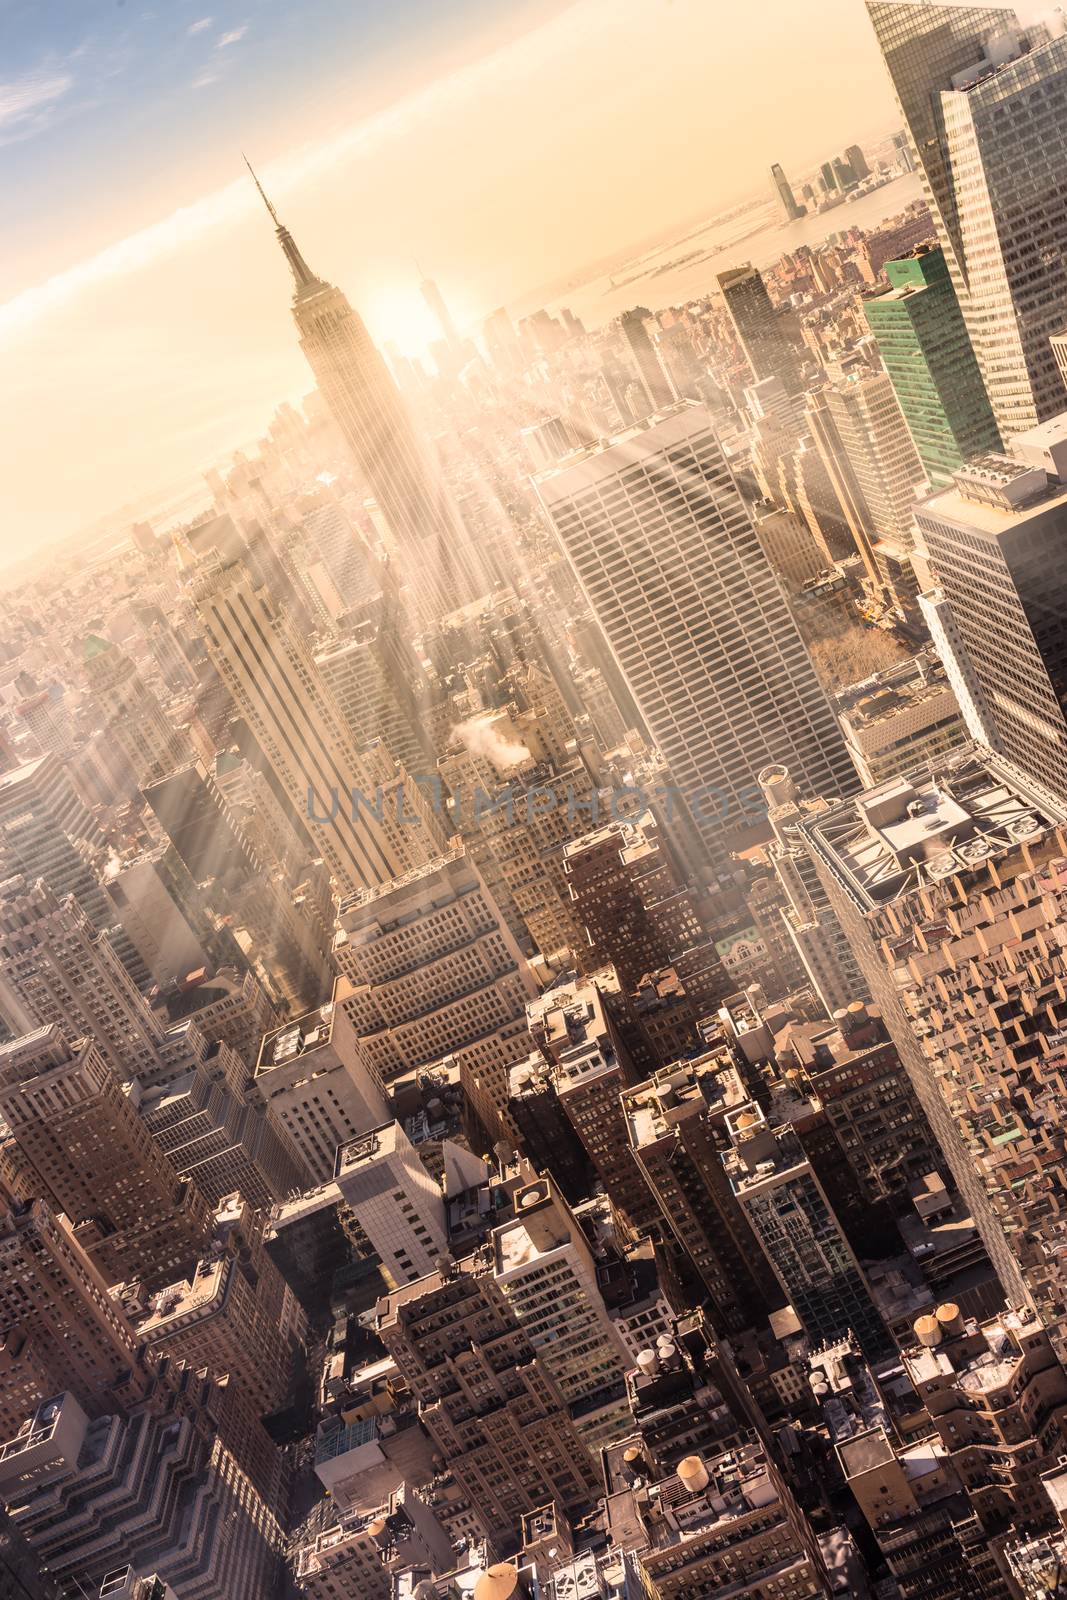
986,112
337,790
356,385
760,327
668,559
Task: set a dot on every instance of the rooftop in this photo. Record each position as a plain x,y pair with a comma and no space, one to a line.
886,694
293,1040
909,832
708,1083
369,1147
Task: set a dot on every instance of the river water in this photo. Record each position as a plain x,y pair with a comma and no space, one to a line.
685,268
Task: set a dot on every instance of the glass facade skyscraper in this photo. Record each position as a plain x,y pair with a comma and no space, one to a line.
986,110
924,344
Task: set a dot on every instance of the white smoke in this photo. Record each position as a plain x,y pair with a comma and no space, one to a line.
482,737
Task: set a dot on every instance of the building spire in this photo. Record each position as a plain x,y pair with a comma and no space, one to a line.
305,278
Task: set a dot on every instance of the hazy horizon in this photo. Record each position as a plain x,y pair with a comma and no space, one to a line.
144,318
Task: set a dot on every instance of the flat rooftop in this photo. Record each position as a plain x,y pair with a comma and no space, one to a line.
708,1083
908,833
296,1039
368,1147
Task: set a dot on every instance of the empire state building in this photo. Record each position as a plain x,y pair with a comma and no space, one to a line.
359,390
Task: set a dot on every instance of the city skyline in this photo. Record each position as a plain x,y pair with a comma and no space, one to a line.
94,323
533,891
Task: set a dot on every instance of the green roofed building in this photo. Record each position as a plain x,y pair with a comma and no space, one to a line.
928,356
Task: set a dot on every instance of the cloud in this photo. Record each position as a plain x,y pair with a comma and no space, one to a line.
200,26
234,36
204,80
27,97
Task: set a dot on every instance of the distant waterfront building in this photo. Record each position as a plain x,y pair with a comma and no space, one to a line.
923,340
986,110
760,327
663,546
995,539
786,195
857,162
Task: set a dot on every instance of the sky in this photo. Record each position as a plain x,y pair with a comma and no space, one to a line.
502,144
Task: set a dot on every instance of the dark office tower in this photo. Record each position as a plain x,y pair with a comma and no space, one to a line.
844,174
654,380
55,968
676,1126
827,177
356,385
785,194
488,1403
759,327
995,539
21,1574
987,118
928,355
76,1138
858,162
787,1209
657,533
60,1330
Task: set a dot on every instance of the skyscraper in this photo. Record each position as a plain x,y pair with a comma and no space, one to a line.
435,300
881,469
56,968
487,1401
269,671
669,562
857,161
59,1327
759,327
399,1206
995,539
654,380
787,1210
367,407
952,891
931,364
77,1139
134,716
786,195
987,119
